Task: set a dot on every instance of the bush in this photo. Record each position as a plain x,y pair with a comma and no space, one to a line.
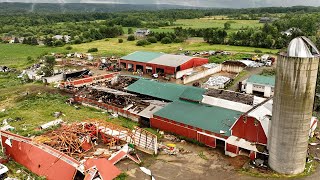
152,39
120,40
166,40
257,51
178,40
142,42
92,50
131,38
68,48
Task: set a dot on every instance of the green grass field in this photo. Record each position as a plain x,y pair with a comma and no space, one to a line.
112,47
216,23
15,55
208,22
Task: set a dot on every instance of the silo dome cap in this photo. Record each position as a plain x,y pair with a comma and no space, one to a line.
302,47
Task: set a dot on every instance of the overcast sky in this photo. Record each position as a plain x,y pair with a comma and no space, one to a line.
199,3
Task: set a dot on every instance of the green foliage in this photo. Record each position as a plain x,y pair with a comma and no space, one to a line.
166,40
142,42
227,25
152,39
131,38
268,72
201,155
92,50
120,40
122,176
68,48
257,51
130,31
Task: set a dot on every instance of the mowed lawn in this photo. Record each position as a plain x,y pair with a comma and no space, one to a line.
15,55
112,47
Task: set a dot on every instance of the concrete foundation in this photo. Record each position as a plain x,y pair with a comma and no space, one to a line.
292,110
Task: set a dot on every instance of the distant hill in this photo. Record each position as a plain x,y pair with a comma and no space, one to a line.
80,7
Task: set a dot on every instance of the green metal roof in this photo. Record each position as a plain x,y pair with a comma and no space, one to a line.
193,93
142,56
210,118
264,80
166,91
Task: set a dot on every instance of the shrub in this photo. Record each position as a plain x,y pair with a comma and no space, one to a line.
257,51
152,39
92,50
68,48
131,38
166,40
142,42
120,40
178,40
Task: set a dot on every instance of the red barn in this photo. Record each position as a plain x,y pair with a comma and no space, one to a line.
151,62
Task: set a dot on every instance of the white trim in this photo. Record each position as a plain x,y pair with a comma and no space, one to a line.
203,133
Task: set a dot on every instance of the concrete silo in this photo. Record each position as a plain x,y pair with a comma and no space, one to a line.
292,106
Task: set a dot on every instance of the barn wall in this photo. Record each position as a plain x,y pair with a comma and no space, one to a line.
185,130
194,63
39,158
249,131
173,127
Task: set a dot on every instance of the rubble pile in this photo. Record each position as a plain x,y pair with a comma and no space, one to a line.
79,140
230,95
217,82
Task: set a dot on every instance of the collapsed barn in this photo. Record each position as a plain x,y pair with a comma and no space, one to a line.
85,150
234,121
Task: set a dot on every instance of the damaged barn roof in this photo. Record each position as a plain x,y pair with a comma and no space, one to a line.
166,91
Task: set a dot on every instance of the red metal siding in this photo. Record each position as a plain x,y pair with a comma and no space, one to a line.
207,140
165,125
249,131
232,148
37,160
193,63
252,155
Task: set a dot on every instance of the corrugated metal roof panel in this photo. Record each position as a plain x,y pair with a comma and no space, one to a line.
166,91
263,80
210,118
142,56
171,60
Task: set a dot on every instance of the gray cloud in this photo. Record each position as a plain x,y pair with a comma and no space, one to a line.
202,3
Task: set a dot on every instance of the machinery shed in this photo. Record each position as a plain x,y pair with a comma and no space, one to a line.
152,62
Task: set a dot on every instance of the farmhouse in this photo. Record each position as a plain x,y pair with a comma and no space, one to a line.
258,84
142,32
153,62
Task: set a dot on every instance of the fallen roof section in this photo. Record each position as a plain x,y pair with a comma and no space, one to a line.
210,118
105,168
40,159
112,91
